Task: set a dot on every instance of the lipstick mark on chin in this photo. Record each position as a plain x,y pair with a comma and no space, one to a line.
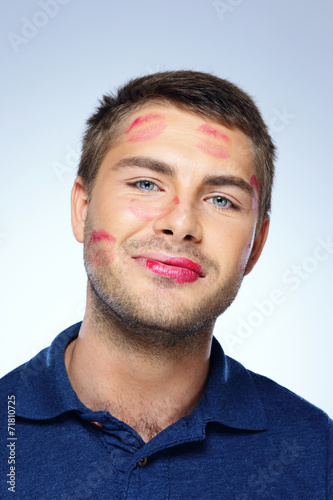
211,149
100,248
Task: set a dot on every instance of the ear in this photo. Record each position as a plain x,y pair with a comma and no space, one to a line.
79,208
258,245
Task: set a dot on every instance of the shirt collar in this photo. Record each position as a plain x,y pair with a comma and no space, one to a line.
231,398
44,390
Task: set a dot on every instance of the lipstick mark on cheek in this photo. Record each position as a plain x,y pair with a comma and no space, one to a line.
255,201
215,150
100,248
149,213
143,213
246,256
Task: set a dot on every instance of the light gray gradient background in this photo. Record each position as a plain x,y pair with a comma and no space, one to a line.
280,51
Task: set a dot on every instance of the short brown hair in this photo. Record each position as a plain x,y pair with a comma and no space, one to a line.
200,93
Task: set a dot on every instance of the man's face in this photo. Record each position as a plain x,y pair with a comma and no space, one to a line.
171,221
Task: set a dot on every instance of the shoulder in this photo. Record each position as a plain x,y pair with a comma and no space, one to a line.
9,382
287,410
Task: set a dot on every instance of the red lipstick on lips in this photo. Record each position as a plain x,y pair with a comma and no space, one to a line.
179,268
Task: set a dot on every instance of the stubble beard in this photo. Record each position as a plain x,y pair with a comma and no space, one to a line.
156,324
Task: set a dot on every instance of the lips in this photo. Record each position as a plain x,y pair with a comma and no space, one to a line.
179,268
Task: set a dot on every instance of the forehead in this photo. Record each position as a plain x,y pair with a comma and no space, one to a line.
153,114
170,134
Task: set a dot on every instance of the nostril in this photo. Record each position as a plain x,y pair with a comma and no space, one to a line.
167,231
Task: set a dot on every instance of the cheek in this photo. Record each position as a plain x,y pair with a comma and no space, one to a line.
145,213
245,256
100,248
142,212
255,204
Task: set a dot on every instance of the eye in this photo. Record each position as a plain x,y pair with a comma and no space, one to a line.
147,185
221,202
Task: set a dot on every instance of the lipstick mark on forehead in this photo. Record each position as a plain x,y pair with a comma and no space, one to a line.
212,145
144,119
212,149
213,132
140,132
147,133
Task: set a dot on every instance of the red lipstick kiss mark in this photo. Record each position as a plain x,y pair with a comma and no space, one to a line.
254,183
149,132
143,213
101,235
213,132
255,203
100,248
246,256
146,213
144,119
211,148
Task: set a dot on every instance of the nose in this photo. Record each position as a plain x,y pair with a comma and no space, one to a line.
180,223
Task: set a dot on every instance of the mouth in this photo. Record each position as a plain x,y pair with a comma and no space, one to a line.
179,268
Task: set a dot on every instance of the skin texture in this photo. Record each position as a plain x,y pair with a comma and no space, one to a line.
144,345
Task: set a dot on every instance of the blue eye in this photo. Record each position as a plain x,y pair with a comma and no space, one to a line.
219,201
147,185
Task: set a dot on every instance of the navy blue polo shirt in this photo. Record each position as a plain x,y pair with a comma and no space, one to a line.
247,438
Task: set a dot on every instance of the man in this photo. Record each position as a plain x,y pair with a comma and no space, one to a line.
138,401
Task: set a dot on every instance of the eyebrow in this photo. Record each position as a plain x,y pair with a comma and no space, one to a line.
228,180
166,169
142,162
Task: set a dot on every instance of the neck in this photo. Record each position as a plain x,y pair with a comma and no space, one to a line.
148,388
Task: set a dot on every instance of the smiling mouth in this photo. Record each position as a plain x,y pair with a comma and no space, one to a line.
178,268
